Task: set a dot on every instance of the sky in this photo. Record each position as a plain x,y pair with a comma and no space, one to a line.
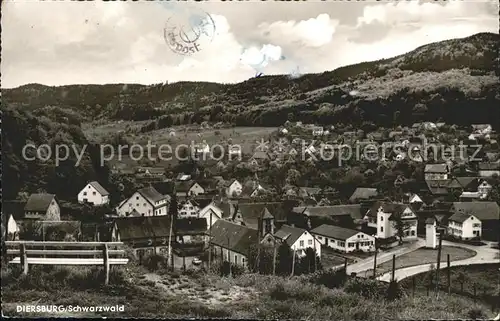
65,42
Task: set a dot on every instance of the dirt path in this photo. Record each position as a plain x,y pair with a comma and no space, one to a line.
219,293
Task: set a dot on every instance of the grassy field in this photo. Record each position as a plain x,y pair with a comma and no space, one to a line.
463,279
171,294
245,137
425,256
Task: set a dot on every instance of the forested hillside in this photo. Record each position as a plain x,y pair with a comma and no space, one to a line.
439,81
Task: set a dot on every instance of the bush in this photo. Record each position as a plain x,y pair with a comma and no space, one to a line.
393,291
476,314
365,287
329,278
154,262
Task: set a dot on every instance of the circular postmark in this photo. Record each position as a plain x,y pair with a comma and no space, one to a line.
189,31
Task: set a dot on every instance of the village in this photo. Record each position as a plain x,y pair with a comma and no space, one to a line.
196,218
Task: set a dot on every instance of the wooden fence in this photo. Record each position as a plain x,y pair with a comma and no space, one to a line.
66,253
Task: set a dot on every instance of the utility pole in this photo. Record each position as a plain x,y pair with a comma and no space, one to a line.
375,264
293,263
393,267
274,256
228,255
210,244
439,260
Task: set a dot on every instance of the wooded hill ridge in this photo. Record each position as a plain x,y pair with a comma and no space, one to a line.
454,81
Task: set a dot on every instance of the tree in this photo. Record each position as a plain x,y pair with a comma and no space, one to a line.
401,226
284,259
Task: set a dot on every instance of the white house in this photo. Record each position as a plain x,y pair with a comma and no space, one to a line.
189,188
317,131
189,208
42,206
211,210
464,226
489,169
436,172
234,188
146,202
384,217
94,193
343,239
234,152
298,239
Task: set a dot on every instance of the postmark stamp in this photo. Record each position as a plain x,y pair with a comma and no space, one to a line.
188,32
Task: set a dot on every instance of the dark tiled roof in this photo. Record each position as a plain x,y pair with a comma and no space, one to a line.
354,210
133,228
251,212
151,194
436,168
481,210
190,225
289,234
98,187
165,188
38,202
438,187
335,232
237,238
363,193
387,207
489,166
459,217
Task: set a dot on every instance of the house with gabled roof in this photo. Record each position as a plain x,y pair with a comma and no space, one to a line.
188,188
363,193
42,206
297,238
146,201
211,213
233,188
313,216
436,172
489,169
265,214
232,242
464,226
343,239
145,234
384,216
94,193
190,236
486,212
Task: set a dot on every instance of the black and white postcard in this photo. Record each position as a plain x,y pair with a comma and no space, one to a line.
285,160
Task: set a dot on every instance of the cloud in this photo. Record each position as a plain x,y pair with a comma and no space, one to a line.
258,59
58,43
314,32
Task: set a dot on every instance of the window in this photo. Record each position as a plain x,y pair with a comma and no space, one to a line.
320,238
137,204
236,259
412,233
84,193
137,197
381,218
301,243
359,235
309,242
93,193
381,229
476,225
